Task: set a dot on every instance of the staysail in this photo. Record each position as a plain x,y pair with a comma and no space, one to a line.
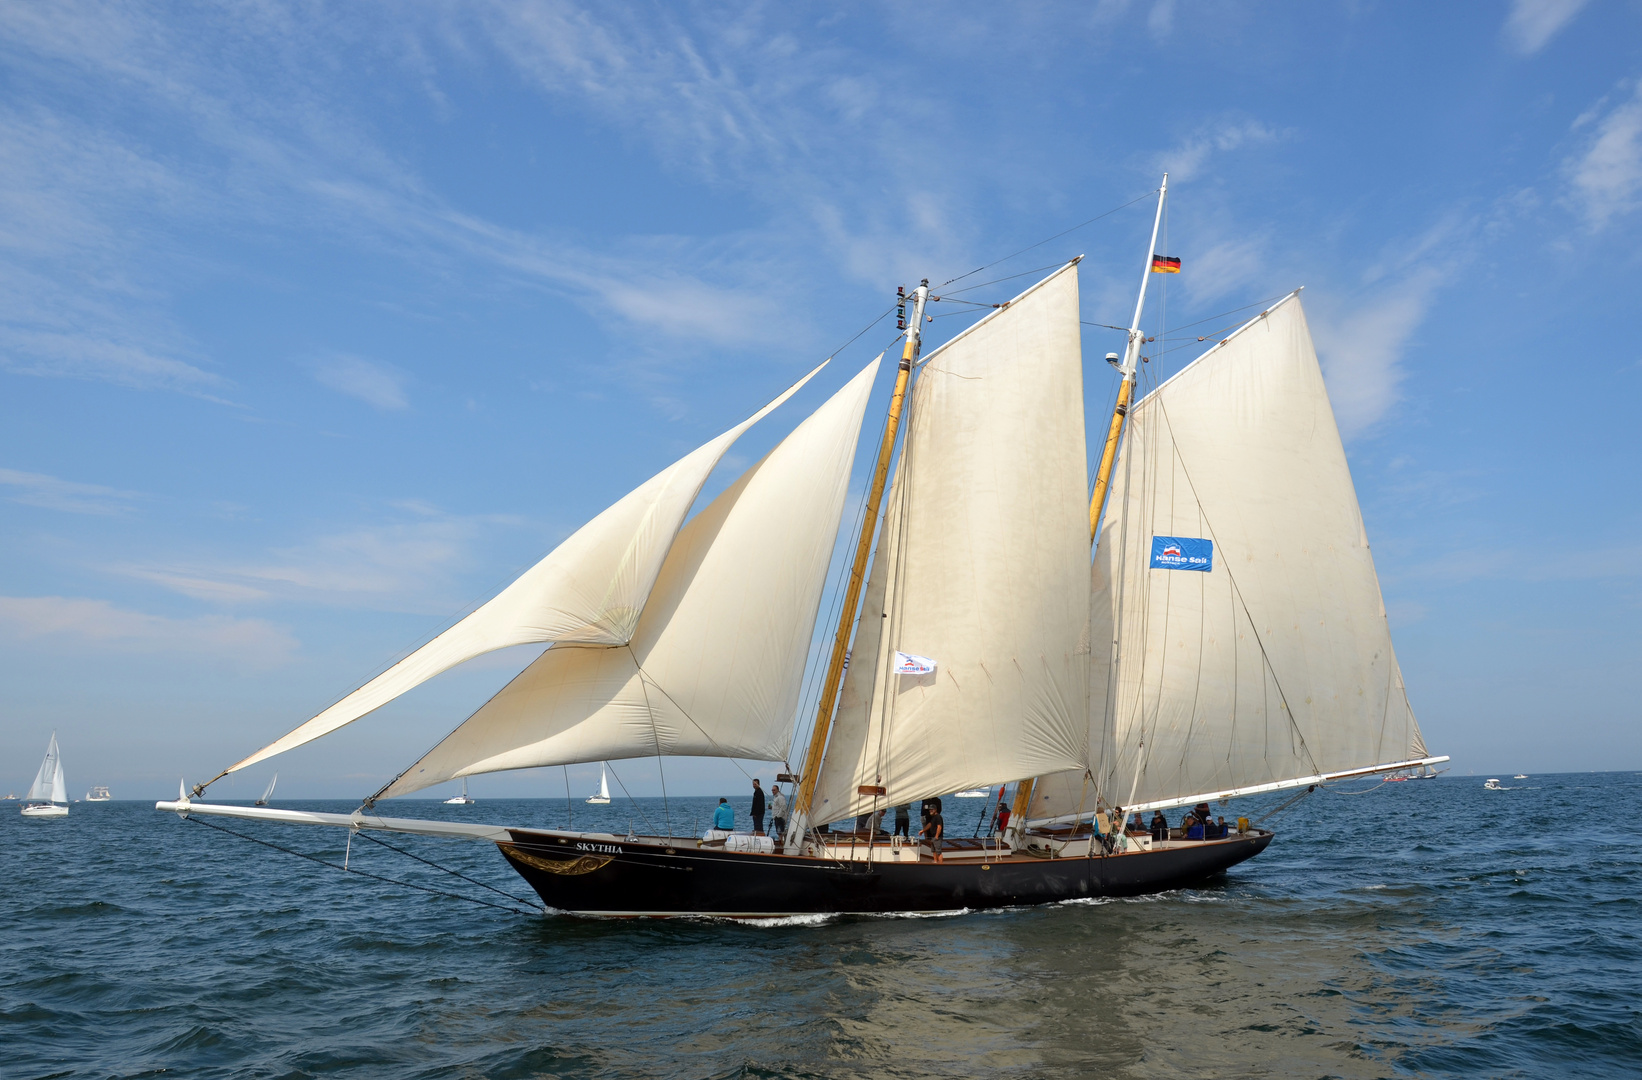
716,660
1241,639
590,589
982,567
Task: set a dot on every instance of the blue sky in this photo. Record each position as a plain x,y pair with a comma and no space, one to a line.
319,322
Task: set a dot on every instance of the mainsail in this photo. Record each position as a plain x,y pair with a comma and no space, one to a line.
716,660
982,566
1276,663
590,589
49,784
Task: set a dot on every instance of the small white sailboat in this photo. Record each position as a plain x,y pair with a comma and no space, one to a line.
98,794
266,795
603,796
973,793
462,799
48,796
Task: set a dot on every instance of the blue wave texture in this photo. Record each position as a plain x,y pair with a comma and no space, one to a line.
1427,929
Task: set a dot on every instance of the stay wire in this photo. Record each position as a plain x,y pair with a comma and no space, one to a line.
445,869
1047,239
361,873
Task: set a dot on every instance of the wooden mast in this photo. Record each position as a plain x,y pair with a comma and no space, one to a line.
1108,455
858,571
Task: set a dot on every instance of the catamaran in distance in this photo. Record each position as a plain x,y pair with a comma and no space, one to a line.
1226,639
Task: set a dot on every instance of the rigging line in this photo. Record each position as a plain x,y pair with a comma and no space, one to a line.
1107,326
635,802
655,737
361,873
1223,314
1294,725
1286,805
363,835
971,288
1046,240
645,677
569,813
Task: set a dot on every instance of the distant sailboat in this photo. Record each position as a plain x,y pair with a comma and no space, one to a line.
48,796
462,799
266,795
973,793
603,796
98,794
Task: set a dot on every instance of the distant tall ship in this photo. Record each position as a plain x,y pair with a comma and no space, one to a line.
48,796
1226,636
98,794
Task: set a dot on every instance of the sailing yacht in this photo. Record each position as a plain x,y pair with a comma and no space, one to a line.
48,795
1207,627
268,792
603,797
462,799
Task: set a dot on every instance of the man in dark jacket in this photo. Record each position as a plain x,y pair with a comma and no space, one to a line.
758,809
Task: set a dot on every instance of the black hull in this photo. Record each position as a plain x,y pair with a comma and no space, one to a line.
609,876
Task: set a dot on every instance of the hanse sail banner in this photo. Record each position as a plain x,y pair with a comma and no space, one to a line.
589,589
983,565
1275,660
716,662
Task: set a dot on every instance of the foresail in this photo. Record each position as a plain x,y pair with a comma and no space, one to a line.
981,567
590,589
1241,636
717,660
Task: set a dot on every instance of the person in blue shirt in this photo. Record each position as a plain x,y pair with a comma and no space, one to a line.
724,816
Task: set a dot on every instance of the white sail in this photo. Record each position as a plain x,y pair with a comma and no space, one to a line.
981,567
1277,663
715,664
48,783
589,589
604,786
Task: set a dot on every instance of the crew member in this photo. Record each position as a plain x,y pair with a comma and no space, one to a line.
935,829
903,820
778,810
724,816
758,808
1160,826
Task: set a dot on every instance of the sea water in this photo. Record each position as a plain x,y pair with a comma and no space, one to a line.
1428,928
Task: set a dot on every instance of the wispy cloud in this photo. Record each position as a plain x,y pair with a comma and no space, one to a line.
1533,23
1361,350
408,566
1187,159
379,385
52,493
1605,177
86,625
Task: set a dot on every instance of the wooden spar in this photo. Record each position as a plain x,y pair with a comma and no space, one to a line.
1114,434
858,573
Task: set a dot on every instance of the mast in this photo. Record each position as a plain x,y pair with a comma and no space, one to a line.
858,573
1114,433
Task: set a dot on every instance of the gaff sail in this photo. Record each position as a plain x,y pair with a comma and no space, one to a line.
590,589
1269,661
983,565
716,662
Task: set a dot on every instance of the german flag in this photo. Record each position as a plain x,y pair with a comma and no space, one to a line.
1164,264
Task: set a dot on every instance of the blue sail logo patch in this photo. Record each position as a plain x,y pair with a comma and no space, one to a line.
1182,553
